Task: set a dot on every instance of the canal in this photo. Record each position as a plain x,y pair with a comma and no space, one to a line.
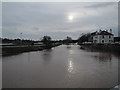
60,67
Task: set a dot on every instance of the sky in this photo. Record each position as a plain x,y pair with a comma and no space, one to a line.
57,19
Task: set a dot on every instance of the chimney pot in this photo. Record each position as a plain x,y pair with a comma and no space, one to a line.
110,30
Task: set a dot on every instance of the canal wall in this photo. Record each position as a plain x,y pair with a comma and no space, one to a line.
102,47
10,50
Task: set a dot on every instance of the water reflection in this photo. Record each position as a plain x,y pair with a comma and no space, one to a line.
47,55
28,56
60,68
103,57
68,46
70,60
70,65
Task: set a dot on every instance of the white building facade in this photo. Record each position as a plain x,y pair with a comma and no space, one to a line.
102,37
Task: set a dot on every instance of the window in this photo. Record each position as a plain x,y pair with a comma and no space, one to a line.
102,36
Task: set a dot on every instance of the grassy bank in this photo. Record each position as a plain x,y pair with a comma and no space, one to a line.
10,50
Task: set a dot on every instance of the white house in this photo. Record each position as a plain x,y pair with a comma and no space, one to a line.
103,36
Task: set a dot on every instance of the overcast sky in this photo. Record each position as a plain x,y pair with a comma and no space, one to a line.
58,20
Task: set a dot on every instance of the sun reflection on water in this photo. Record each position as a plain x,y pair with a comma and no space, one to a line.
70,66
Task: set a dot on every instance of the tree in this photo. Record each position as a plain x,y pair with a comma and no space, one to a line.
47,41
84,38
68,40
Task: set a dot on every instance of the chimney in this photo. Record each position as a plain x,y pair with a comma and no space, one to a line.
111,31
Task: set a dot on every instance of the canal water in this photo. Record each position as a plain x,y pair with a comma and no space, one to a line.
61,67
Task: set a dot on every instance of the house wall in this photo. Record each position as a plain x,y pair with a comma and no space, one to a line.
100,39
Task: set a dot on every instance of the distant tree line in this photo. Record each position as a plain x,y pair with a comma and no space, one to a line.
47,40
18,41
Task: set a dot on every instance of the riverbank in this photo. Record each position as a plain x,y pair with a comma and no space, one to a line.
11,50
102,47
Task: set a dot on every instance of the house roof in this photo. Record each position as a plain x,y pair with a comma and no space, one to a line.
104,33
94,33
101,33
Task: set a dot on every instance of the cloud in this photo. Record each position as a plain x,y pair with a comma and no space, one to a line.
35,20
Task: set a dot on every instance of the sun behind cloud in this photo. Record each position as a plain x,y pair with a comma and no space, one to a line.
70,17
